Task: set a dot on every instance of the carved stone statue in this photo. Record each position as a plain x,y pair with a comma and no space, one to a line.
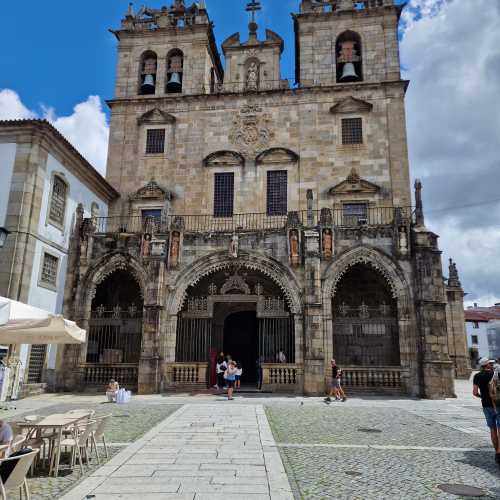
174,249
146,245
327,244
403,241
294,248
253,76
234,246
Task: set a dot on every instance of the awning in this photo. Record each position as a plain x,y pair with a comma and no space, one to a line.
24,324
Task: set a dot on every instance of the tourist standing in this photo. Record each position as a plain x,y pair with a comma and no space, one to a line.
333,382
112,390
481,389
239,372
280,357
230,376
220,368
260,371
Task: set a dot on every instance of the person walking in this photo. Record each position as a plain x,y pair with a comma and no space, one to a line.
239,372
335,384
230,376
482,388
220,368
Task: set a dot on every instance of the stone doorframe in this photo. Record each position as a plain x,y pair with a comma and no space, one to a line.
281,275
400,291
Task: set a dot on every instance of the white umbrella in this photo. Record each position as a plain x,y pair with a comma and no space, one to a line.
24,324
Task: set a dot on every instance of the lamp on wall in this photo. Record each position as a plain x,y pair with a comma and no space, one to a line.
3,236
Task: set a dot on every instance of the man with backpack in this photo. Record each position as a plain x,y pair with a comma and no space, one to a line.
484,386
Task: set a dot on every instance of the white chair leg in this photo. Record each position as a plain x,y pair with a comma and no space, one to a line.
105,447
2,490
27,490
94,445
79,458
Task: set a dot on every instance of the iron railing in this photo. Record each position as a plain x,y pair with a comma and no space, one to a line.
342,218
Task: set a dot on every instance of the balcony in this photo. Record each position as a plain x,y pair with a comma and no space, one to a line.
251,222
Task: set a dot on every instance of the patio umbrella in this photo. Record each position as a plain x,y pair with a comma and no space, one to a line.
24,324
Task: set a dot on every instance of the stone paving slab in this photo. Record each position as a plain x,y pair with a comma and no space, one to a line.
199,452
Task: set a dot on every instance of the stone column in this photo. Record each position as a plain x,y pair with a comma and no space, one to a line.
314,359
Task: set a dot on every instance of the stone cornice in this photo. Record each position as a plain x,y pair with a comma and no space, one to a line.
353,88
42,132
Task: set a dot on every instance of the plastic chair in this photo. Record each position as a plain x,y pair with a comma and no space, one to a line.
78,443
98,434
17,443
17,478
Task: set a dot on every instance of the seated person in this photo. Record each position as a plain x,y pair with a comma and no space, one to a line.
111,390
6,437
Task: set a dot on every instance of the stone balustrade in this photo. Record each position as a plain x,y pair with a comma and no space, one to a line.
187,375
282,377
373,379
100,374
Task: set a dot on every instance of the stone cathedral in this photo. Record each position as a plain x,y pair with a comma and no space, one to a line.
264,218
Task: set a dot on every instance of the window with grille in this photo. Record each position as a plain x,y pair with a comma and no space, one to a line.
49,269
58,201
277,192
155,141
224,194
36,363
352,131
355,214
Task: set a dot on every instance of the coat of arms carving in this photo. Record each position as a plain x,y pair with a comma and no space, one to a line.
251,130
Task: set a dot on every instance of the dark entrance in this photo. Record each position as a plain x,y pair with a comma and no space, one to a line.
241,341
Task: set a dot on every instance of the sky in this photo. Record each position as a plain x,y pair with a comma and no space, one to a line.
58,63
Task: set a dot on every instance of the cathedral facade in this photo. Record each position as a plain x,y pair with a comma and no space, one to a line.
267,219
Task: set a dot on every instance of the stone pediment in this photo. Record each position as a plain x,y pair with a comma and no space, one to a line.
224,158
277,155
231,41
354,184
351,105
151,191
156,116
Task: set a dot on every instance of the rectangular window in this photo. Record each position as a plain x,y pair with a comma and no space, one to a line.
155,141
474,339
476,324
224,194
352,131
49,269
58,201
277,192
355,214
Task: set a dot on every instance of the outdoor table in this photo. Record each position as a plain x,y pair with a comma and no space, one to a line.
58,422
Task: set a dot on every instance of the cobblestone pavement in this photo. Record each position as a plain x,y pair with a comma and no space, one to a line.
128,423
378,452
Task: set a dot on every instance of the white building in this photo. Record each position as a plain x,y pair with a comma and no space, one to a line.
481,324
43,181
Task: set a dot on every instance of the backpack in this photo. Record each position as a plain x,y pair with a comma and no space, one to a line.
495,384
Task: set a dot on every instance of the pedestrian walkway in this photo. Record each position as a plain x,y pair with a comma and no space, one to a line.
200,452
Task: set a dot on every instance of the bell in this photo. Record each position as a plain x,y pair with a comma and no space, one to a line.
349,73
148,85
174,83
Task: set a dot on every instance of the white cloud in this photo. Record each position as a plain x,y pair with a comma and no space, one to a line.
86,128
451,50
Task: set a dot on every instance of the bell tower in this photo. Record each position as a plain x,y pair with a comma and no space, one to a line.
346,41
167,51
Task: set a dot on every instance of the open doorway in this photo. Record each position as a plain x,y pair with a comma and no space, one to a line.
241,341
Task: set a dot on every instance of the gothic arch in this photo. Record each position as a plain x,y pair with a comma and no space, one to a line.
373,258
218,261
103,268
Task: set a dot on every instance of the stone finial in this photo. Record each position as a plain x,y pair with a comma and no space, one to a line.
130,10
453,278
419,207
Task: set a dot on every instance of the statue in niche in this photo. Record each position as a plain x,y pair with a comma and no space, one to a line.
327,244
234,246
174,249
146,245
294,247
403,241
252,76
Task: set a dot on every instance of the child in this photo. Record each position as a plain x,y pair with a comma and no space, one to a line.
230,376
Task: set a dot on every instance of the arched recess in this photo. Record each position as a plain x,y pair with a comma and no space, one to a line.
111,298
148,69
394,292
349,57
235,281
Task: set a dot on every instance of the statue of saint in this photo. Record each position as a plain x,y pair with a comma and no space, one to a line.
174,249
327,244
234,246
252,76
294,247
146,245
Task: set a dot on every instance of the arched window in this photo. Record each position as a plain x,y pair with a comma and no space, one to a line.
58,197
175,71
147,84
349,57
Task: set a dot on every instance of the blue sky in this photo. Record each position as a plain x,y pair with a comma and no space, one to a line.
64,52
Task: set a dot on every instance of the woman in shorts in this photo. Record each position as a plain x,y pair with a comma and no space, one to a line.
230,376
